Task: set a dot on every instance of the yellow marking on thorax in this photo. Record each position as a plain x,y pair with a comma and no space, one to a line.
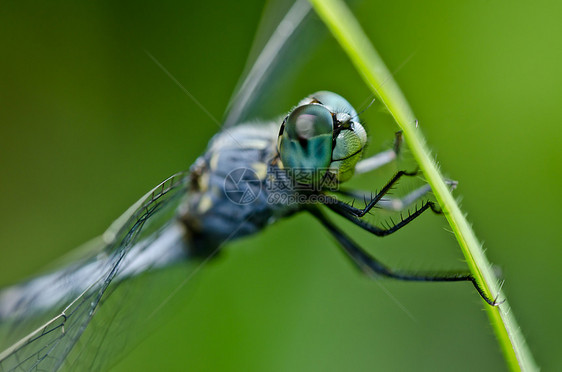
203,181
214,161
204,204
257,144
260,169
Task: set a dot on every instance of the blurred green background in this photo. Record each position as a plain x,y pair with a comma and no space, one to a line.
88,123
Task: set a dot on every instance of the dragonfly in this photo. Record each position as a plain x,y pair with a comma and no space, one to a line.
252,175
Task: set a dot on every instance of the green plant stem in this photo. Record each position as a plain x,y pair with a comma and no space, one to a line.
353,40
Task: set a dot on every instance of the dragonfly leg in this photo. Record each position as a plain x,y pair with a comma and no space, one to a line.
396,204
358,212
373,267
382,158
343,209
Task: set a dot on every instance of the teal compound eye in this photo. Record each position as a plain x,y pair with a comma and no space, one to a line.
349,138
334,102
305,143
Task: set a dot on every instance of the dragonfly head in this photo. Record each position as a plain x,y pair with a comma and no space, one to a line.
321,137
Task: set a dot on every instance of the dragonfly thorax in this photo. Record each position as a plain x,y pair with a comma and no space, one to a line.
321,137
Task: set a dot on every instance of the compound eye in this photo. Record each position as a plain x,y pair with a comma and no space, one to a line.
306,142
309,121
334,102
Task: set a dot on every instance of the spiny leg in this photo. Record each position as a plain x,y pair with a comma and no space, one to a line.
342,209
358,212
382,158
355,214
372,267
395,204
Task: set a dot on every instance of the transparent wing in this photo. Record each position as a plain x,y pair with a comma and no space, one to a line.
145,237
291,41
49,321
